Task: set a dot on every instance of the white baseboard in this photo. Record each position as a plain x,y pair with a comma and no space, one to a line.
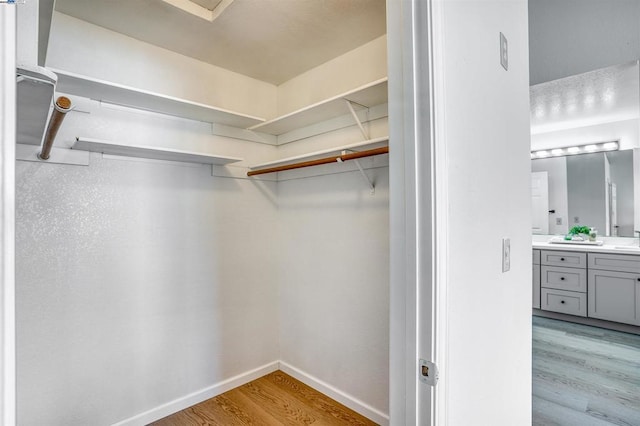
176,405
340,396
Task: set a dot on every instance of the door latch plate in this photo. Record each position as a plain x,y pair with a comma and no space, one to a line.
428,372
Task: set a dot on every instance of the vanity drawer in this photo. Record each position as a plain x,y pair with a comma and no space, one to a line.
615,262
569,259
536,257
566,302
570,279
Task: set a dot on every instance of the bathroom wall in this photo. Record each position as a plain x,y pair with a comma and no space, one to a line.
568,37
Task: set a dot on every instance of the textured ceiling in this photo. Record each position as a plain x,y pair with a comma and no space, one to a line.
270,40
602,96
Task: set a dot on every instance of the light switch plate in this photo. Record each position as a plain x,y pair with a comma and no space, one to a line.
504,52
506,254
558,221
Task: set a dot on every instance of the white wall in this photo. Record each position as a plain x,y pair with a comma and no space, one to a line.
93,51
139,282
334,303
360,66
486,129
568,37
166,280
556,169
7,213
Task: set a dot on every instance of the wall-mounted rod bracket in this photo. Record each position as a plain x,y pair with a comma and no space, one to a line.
372,187
355,117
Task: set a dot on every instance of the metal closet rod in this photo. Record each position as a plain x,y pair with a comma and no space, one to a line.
327,160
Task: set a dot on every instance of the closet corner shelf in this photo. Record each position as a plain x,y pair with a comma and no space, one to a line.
108,147
100,90
368,95
368,144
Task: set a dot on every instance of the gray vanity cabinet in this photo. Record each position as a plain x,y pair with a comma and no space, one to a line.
614,288
536,279
563,282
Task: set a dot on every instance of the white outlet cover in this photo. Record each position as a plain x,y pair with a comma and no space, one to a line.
506,254
504,52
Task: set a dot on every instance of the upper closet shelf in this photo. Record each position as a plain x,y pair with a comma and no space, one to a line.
101,90
374,93
107,147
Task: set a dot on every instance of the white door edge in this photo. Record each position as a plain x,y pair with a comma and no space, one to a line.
7,211
418,212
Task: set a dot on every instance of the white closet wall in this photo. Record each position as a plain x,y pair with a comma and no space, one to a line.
139,282
334,286
145,284
93,51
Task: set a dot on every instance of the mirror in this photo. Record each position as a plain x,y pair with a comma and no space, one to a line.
595,190
598,189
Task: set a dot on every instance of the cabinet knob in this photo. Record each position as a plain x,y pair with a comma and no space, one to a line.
562,301
638,279
561,278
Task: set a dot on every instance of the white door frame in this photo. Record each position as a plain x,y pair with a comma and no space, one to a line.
7,212
418,207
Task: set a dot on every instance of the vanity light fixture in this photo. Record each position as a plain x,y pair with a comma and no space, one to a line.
578,149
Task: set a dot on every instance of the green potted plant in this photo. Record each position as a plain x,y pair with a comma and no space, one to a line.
581,231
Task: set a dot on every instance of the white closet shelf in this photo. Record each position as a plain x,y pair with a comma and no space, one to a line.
100,90
371,94
108,147
368,144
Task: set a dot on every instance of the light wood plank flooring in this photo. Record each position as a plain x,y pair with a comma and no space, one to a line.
584,376
275,399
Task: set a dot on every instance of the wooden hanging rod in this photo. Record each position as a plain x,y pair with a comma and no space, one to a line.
327,160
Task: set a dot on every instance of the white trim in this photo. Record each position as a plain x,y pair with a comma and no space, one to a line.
441,214
336,394
187,401
7,213
176,405
418,210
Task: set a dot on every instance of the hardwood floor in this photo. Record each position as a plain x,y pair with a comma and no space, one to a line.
584,376
275,399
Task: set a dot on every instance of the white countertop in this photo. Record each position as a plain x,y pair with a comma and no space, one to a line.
615,247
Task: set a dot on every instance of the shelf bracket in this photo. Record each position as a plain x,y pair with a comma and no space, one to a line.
372,187
355,117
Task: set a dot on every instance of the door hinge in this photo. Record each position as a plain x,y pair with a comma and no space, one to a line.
428,372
